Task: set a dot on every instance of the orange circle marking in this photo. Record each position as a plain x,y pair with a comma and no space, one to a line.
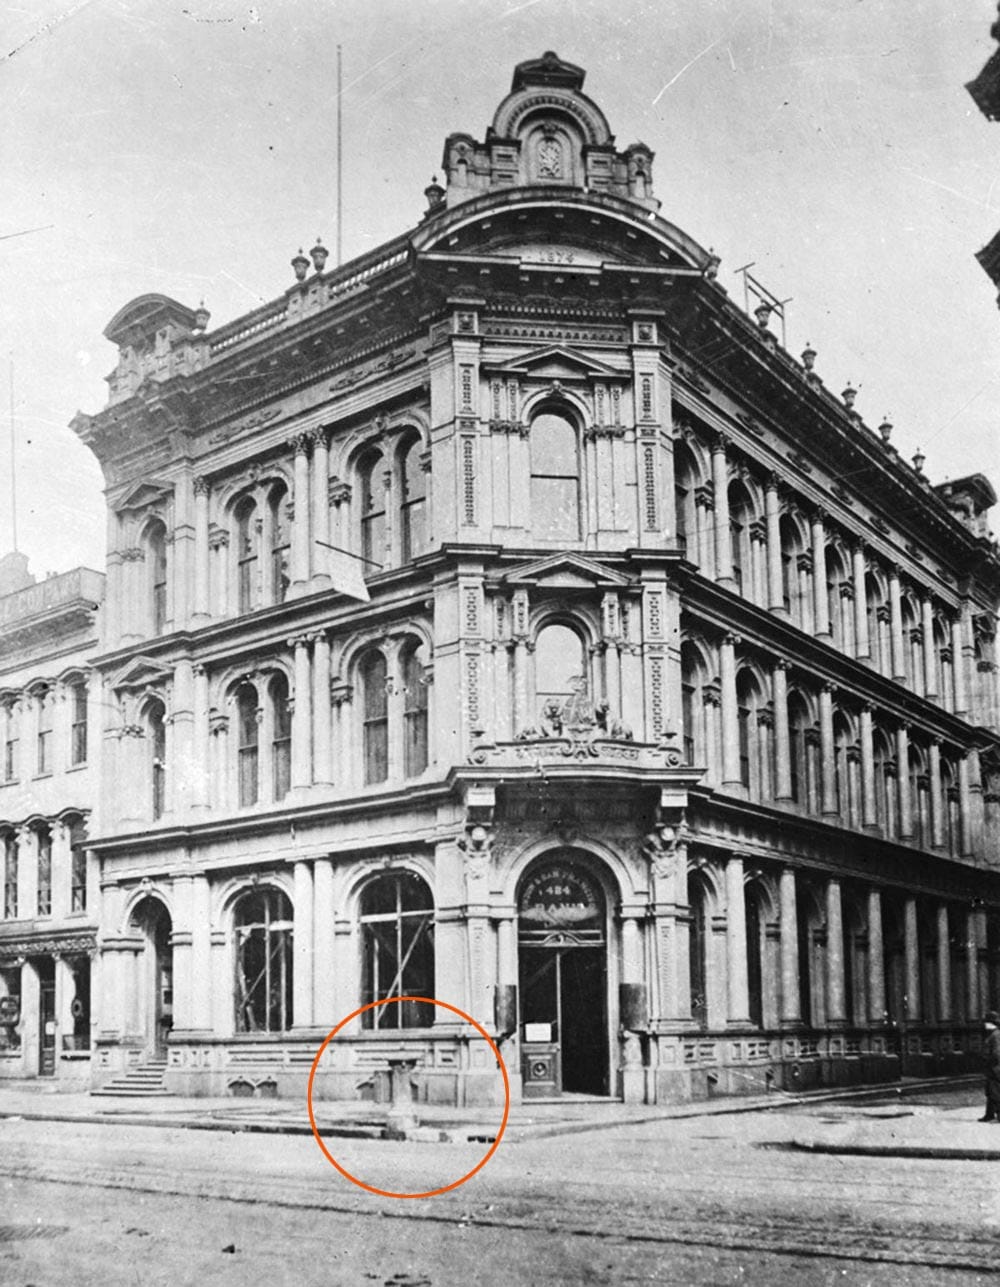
445,1188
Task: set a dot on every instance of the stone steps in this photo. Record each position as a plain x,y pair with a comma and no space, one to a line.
142,1082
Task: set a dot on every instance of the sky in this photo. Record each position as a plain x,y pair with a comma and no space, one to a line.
189,148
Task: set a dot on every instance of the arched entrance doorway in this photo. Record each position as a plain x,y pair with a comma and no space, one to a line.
155,974
563,978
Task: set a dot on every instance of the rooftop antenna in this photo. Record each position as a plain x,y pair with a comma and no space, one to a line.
340,197
13,460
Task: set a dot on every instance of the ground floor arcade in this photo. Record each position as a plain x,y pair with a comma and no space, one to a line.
614,945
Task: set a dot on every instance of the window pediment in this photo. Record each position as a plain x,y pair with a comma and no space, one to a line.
143,495
567,572
141,672
555,363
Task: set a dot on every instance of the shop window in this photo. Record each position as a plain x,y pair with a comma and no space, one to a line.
78,867
375,711
414,675
262,925
281,743
555,478
397,944
10,1007
79,1006
10,862
78,726
43,839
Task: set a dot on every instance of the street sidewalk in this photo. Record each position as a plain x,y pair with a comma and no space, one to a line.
899,1129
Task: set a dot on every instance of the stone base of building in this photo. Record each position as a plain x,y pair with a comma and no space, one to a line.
445,1069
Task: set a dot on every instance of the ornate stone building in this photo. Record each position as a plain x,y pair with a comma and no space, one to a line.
48,781
505,617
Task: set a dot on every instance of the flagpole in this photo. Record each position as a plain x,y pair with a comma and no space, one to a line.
340,197
13,461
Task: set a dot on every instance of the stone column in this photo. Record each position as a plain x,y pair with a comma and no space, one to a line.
911,950
827,754
791,1010
782,743
302,984
200,607
301,715
821,605
930,660
321,509
958,664
775,579
731,780
862,643
65,992
723,536
903,782
943,965
201,953
324,1005
876,959
322,772
973,1003
898,649
201,766
965,805
704,509
938,804
836,1014
300,524
869,811
181,954
736,945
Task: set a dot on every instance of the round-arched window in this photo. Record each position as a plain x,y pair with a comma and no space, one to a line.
262,929
555,478
397,945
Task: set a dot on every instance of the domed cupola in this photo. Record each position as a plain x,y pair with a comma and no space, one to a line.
547,132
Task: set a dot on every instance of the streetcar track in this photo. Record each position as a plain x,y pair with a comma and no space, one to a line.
714,1228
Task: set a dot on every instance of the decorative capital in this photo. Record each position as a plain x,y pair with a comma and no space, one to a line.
338,492
301,444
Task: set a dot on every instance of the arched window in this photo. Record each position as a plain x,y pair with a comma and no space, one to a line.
685,513
78,722
698,949
912,647
157,734
281,737
371,484
840,597
43,712
560,667
413,666
952,816
799,723
920,803
10,873
245,515
741,516
944,665
277,503
746,703
248,744
156,553
43,839
77,866
413,498
262,926
792,554
845,761
878,624
885,784
11,741
555,478
693,675
397,948
375,714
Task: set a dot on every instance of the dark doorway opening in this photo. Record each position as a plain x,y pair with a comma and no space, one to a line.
564,989
47,1017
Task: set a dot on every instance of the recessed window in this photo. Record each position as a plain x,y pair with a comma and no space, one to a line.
555,478
248,744
262,926
413,667
375,712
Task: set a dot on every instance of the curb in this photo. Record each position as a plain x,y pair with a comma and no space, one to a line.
427,1132
941,1152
